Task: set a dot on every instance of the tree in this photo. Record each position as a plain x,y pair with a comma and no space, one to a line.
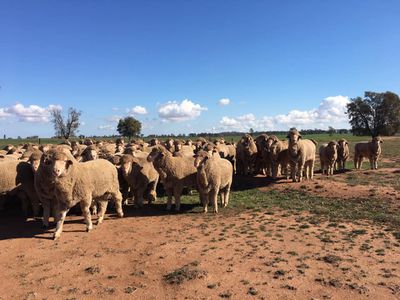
331,130
129,127
67,128
375,114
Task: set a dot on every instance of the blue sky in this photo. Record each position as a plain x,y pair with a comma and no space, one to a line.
169,63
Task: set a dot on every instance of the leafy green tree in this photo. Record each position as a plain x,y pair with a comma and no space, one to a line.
129,127
375,114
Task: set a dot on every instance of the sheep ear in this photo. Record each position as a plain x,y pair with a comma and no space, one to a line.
288,136
69,163
300,136
381,141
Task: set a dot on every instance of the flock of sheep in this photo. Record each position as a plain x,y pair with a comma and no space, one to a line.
57,177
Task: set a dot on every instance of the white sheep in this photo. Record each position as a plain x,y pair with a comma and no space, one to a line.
371,150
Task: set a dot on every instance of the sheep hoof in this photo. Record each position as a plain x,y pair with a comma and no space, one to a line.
120,215
56,237
88,229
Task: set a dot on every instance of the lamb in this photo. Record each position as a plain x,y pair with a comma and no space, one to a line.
175,173
246,154
17,179
301,156
81,183
371,150
214,176
343,154
278,154
328,155
140,176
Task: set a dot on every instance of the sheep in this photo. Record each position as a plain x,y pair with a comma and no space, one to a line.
214,176
200,143
278,154
169,145
371,150
44,183
90,153
227,151
301,156
343,154
328,155
17,179
140,176
175,173
182,150
154,142
81,183
260,163
246,153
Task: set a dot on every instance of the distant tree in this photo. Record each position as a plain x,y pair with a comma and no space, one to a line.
375,114
331,130
129,127
68,128
251,131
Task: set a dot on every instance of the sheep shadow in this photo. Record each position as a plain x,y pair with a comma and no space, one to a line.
157,209
243,182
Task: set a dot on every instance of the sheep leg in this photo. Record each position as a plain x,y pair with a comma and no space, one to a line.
169,198
177,196
204,201
139,197
311,175
152,192
371,162
61,214
293,171
300,168
226,195
93,206
213,196
103,207
85,206
35,206
117,197
46,212
344,165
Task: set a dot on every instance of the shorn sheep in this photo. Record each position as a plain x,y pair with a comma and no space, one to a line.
343,154
175,173
301,156
328,155
81,183
371,150
214,176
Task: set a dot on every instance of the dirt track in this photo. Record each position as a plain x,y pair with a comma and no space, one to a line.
237,255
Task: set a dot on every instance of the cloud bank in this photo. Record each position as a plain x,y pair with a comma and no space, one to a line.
330,112
137,110
31,113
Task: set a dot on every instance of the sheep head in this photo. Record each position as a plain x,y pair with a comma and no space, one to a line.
126,164
61,163
377,140
156,153
201,157
35,159
294,136
91,152
177,145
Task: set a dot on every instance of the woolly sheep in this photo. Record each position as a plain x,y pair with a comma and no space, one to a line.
214,176
246,153
301,156
140,176
175,173
17,179
81,183
343,154
328,155
278,153
371,150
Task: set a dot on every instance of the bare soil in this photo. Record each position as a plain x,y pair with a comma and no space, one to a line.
245,254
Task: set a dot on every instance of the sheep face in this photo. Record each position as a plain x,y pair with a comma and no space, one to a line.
60,167
119,148
200,158
35,164
177,146
377,140
333,146
273,149
294,136
126,166
154,154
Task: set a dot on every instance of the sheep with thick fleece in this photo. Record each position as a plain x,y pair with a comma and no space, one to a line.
278,153
175,173
17,179
81,183
246,153
141,176
328,154
371,150
214,176
343,154
44,182
301,156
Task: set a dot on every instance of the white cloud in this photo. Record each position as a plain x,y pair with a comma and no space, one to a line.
224,101
106,127
114,118
138,110
115,108
330,112
183,111
31,113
